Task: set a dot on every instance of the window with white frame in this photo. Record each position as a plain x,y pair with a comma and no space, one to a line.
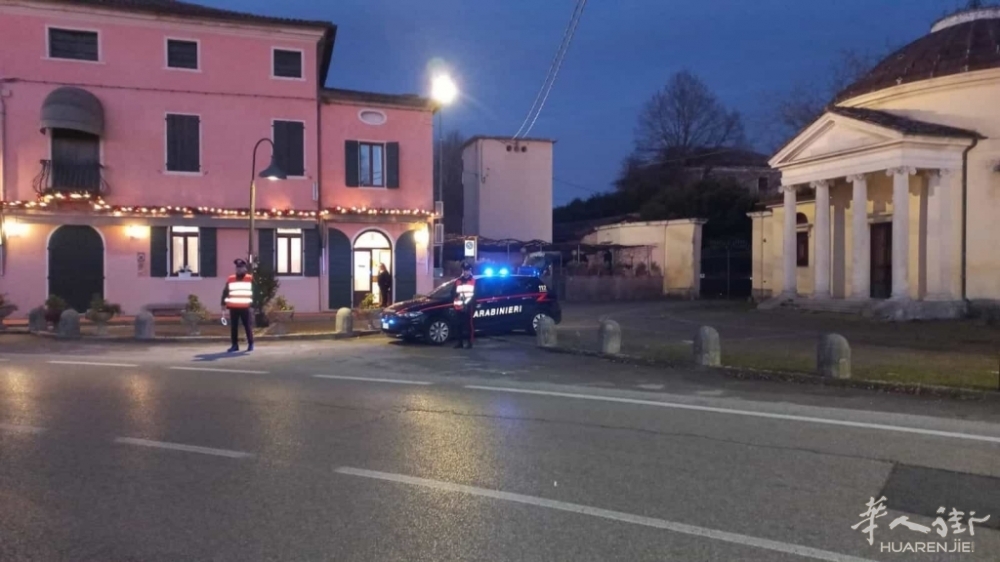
289,251
371,164
184,250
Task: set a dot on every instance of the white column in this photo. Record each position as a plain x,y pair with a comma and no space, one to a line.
821,267
901,231
939,238
789,256
861,246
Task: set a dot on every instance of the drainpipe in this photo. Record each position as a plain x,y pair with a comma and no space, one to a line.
3,175
965,216
319,193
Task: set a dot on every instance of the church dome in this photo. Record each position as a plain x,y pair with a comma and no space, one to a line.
963,42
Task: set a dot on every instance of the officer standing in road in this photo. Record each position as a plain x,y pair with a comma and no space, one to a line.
237,297
464,295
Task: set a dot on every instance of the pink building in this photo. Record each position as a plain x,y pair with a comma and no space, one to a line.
126,137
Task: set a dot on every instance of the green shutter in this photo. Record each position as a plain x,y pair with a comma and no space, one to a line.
339,274
392,165
266,248
158,251
208,254
310,243
351,155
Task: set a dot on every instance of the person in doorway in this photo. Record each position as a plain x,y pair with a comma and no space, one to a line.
464,299
237,297
384,286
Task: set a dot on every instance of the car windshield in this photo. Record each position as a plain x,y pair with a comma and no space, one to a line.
443,291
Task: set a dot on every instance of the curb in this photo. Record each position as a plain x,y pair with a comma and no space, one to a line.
743,373
332,336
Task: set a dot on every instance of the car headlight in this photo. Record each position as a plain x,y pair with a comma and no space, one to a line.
411,314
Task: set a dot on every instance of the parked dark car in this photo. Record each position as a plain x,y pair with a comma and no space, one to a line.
504,303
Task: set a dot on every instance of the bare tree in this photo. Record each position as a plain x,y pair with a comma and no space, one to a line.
685,115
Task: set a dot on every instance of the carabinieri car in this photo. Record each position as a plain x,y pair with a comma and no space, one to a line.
504,303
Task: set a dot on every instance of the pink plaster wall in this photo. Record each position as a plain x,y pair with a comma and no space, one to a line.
413,129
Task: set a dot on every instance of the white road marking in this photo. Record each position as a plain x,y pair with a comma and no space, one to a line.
789,417
21,428
683,528
4,360
367,379
92,364
185,448
213,370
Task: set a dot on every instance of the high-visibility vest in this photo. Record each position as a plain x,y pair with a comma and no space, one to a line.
240,291
464,289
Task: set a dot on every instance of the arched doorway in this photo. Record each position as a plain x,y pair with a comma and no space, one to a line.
371,248
76,265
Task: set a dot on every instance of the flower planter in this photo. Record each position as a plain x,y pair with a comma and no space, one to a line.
5,311
52,317
278,320
100,319
193,320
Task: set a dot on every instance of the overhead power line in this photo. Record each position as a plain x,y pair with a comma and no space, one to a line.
553,72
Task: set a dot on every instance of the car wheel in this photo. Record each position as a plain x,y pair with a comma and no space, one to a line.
533,328
437,332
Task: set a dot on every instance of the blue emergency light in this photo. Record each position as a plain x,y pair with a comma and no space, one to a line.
503,272
488,272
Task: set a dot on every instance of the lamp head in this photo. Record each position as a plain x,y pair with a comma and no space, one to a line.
443,89
273,171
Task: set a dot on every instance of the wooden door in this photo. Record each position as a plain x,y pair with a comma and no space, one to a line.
881,255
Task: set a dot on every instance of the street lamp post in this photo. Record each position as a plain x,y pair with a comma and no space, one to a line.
443,91
272,172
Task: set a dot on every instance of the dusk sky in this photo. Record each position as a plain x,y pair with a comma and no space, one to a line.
499,52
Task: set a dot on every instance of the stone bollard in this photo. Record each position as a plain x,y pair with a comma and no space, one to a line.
345,321
833,357
145,326
707,349
69,324
545,334
36,320
610,336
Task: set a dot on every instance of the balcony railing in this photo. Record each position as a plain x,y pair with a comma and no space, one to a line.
57,178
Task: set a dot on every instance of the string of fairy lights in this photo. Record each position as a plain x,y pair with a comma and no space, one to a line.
98,205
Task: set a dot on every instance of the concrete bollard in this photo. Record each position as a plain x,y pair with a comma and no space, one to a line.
610,336
145,326
545,334
833,357
707,349
345,321
69,324
36,320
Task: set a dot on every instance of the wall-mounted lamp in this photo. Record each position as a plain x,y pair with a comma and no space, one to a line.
14,229
137,232
421,237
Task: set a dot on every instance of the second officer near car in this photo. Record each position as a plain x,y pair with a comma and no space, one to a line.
464,298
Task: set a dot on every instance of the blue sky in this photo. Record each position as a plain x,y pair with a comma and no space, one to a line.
624,50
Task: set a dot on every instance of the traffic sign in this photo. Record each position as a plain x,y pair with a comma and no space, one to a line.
470,248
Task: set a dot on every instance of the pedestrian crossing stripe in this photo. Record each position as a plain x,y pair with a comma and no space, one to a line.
502,311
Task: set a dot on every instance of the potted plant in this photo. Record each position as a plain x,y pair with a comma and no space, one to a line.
279,314
54,307
6,309
101,312
194,314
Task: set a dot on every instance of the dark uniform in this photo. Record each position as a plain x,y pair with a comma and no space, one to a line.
237,297
464,296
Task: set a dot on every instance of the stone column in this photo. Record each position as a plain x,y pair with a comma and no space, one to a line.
789,256
861,246
901,231
939,238
821,267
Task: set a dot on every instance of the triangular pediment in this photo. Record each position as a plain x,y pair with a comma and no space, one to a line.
830,136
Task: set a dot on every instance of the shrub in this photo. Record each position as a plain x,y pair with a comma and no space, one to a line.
100,306
280,304
369,301
265,286
641,270
654,269
194,306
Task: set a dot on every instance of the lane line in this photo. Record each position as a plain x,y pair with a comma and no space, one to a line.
682,528
789,417
21,428
91,364
181,447
214,370
4,360
366,379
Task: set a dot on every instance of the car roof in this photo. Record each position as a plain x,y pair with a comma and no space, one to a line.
519,276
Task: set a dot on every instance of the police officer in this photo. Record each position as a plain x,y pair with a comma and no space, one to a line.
237,297
464,295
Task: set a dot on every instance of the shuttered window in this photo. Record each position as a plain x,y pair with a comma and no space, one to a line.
73,44
287,64
182,54
183,143
289,147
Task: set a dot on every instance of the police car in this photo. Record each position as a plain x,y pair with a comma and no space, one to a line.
504,303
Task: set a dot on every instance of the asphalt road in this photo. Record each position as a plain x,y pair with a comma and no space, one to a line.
369,450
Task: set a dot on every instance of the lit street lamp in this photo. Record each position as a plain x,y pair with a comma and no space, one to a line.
273,172
443,91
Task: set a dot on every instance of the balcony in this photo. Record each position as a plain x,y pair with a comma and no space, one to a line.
73,180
